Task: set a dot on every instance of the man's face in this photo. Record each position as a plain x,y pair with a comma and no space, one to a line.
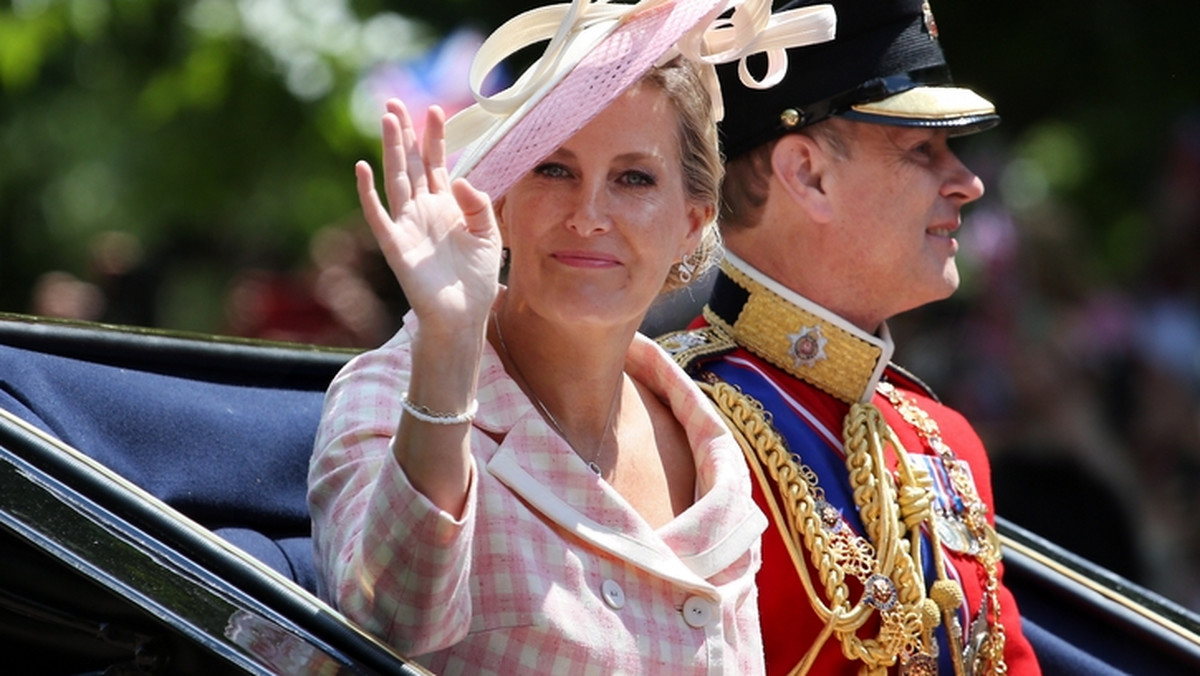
897,199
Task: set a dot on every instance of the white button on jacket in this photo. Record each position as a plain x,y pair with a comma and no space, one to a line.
613,595
698,612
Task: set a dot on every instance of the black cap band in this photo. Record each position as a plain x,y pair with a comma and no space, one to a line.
883,48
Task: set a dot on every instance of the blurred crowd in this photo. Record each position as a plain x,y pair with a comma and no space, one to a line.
1086,390
341,294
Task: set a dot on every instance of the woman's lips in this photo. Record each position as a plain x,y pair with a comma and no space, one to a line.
586,259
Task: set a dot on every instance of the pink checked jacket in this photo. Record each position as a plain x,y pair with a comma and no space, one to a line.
549,570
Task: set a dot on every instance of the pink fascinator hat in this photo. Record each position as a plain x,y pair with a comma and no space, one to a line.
596,51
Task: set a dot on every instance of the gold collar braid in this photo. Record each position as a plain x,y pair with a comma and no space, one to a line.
796,335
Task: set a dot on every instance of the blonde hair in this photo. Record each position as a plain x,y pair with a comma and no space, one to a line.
699,153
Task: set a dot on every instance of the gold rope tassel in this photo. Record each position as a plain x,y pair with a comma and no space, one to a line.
892,516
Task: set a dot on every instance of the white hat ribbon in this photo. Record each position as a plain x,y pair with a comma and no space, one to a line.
753,29
574,28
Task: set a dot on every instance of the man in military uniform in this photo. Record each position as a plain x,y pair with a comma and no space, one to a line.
841,202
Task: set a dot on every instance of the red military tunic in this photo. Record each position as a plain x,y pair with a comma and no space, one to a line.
805,368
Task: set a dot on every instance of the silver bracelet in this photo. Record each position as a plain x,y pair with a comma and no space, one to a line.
425,414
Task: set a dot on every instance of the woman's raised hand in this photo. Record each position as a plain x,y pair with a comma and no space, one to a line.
439,238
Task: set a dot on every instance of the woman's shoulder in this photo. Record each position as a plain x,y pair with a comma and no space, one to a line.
649,364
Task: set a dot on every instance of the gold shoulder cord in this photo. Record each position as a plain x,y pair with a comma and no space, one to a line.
887,563
892,580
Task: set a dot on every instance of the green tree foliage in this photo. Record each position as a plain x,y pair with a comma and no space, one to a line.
1093,97
220,133
217,133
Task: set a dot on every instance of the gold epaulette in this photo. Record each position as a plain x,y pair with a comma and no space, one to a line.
687,346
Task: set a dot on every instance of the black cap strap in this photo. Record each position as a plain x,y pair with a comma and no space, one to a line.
871,90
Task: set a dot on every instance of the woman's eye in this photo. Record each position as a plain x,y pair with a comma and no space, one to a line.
551,170
925,149
637,178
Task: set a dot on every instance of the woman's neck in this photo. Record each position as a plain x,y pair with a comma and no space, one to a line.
573,372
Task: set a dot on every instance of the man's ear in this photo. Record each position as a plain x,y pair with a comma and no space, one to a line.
801,166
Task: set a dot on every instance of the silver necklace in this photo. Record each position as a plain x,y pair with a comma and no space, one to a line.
591,464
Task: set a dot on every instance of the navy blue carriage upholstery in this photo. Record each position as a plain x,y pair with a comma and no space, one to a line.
219,430
222,430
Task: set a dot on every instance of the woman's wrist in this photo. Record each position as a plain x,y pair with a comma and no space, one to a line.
460,333
434,417
445,370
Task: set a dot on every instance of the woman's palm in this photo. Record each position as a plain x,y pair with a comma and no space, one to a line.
440,239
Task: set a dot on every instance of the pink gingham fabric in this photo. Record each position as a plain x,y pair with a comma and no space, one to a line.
549,570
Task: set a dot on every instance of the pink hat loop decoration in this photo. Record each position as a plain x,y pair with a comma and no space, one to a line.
596,51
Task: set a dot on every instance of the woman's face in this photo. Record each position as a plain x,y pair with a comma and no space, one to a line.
595,227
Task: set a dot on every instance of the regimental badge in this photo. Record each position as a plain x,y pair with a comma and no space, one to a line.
930,22
831,517
880,592
918,664
808,346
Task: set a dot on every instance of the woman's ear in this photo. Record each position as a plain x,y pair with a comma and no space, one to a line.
699,215
498,210
801,166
